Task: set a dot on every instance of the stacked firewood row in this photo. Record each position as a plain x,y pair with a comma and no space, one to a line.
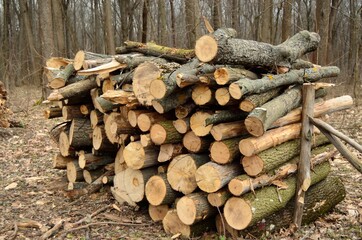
199,133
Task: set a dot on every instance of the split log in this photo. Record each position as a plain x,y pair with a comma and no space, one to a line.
228,130
224,98
182,125
145,120
248,210
58,129
119,191
185,110
173,225
80,133
73,90
194,208
219,198
143,78
123,78
119,163
74,172
221,47
171,102
157,213
261,118
133,60
151,48
163,87
203,95
138,157
60,162
226,151
53,112
116,126
169,151
320,108
135,181
255,100
196,144
273,157
145,140
211,176
104,105
247,86
164,132
197,123
119,96
100,140
90,162
181,171
184,80
70,112
91,176
227,75
57,62
104,68
159,192
208,79
320,199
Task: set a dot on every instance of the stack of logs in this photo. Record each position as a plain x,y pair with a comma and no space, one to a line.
4,111
216,134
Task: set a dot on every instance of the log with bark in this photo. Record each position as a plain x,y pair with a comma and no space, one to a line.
196,144
137,157
225,151
157,213
88,161
169,151
241,212
227,75
164,132
159,192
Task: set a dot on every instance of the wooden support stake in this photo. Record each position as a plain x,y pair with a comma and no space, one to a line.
304,178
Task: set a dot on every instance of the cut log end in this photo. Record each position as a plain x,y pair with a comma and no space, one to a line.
158,89
158,107
235,91
220,152
252,165
201,95
221,76
173,225
206,48
78,60
186,210
157,213
246,106
254,126
197,124
238,213
246,147
208,179
158,134
222,96
155,190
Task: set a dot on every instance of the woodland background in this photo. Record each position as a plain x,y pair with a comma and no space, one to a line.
33,30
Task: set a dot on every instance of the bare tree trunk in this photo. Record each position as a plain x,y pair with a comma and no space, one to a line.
124,10
162,22
353,31
111,49
59,30
190,22
46,36
173,34
287,19
216,14
144,21
266,21
322,21
332,29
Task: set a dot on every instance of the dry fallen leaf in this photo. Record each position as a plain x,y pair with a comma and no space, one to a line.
11,186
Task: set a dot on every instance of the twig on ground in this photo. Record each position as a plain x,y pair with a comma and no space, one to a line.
53,230
15,231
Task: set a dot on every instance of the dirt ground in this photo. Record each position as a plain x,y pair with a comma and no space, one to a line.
31,191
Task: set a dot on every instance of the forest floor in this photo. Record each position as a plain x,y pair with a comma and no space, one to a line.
32,192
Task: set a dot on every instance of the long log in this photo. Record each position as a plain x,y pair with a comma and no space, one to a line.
82,56
194,208
247,86
70,112
211,176
250,209
138,157
225,116
255,100
60,162
74,172
164,132
221,47
91,176
159,192
228,130
52,112
146,119
100,140
320,199
73,90
181,171
62,77
133,60
151,48
261,118
320,108
80,133
90,162
271,158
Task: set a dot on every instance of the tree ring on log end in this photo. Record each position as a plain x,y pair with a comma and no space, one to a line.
158,89
134,184
158,134
220,153
208,179
246,147
252,165
237,213
221,76
206,48
235,91
254,126
197,123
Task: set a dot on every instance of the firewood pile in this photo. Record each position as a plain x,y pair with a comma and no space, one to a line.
5,112
196,133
